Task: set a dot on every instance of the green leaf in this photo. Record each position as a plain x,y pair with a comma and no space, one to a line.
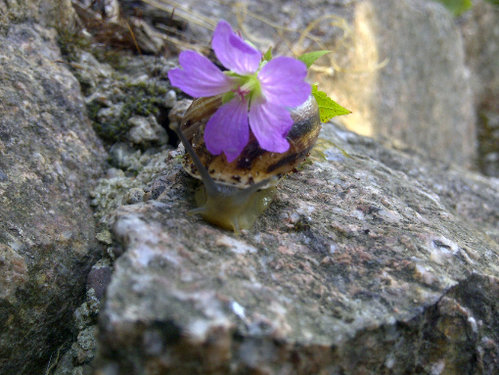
328,108
310,57
457,7
268,55
493,2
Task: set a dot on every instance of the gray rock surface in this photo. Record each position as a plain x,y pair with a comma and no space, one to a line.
126,104
48,156
52,13
405,77
146,131
480,28
382,262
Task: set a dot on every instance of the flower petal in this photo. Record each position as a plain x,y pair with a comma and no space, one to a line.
270,123
233,52
227,130
283,81
199,77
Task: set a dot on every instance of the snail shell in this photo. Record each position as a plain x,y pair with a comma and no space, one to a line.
236,193
253,164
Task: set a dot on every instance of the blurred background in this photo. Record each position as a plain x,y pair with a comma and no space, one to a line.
418,74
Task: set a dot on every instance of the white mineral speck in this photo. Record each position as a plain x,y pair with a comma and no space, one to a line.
238,309
437,367
390,361
473,324
332,248
236,246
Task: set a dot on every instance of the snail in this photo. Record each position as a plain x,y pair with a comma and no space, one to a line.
236,193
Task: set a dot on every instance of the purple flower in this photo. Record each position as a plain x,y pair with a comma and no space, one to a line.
257,93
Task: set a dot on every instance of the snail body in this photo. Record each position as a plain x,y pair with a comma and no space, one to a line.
236,193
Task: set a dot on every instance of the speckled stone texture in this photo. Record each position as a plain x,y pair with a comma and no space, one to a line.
383,262
48,157
52,13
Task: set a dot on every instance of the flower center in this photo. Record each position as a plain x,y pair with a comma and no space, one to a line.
250,86
247,87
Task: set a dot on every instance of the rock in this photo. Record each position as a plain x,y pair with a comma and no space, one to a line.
135,195
111,25
177,112
42,11
171,99
98,279
149,39
77,360
91,74
15,11
65,365
123,155
84,348
118,189
129,104
85,315
49,156
480,28
405,77
145,131
384,261
14,273
57,13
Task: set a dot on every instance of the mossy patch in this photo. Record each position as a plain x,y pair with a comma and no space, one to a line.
138,99
72,43
15,12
